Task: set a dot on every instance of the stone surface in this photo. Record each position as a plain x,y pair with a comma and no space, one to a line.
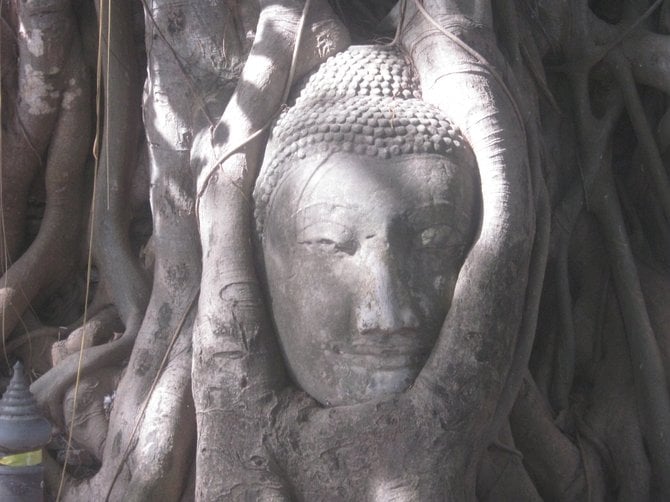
362,255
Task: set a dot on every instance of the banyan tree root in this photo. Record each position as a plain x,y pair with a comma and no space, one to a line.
553,461
42,38
491,122
117,158
170,128
101,325
62,114
100,329
648,370
292,37
154,395
95,399
117,161
50,387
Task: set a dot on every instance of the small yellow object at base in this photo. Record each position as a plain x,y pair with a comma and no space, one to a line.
22,459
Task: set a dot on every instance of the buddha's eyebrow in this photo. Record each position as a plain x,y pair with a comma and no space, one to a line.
432,209
442,213
322,207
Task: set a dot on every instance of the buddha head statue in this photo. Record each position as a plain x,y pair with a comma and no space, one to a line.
365,208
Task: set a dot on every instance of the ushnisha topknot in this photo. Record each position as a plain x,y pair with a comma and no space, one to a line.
365,100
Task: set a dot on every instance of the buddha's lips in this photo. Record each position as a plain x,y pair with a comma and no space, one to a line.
405,345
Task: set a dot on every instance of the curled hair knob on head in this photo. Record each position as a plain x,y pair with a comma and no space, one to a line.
365,100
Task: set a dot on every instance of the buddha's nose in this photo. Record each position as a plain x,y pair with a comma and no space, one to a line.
384,305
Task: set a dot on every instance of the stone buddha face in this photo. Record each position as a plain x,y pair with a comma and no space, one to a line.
361,257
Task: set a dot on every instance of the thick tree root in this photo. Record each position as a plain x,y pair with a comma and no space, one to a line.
552,460
623,433
117,161
97,330
292,37
648,371
487,310
50,256
44,44
50,388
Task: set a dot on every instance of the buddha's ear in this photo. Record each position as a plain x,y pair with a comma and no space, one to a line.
480,345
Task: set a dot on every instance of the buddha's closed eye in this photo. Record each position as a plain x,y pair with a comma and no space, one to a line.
328,237
437,237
